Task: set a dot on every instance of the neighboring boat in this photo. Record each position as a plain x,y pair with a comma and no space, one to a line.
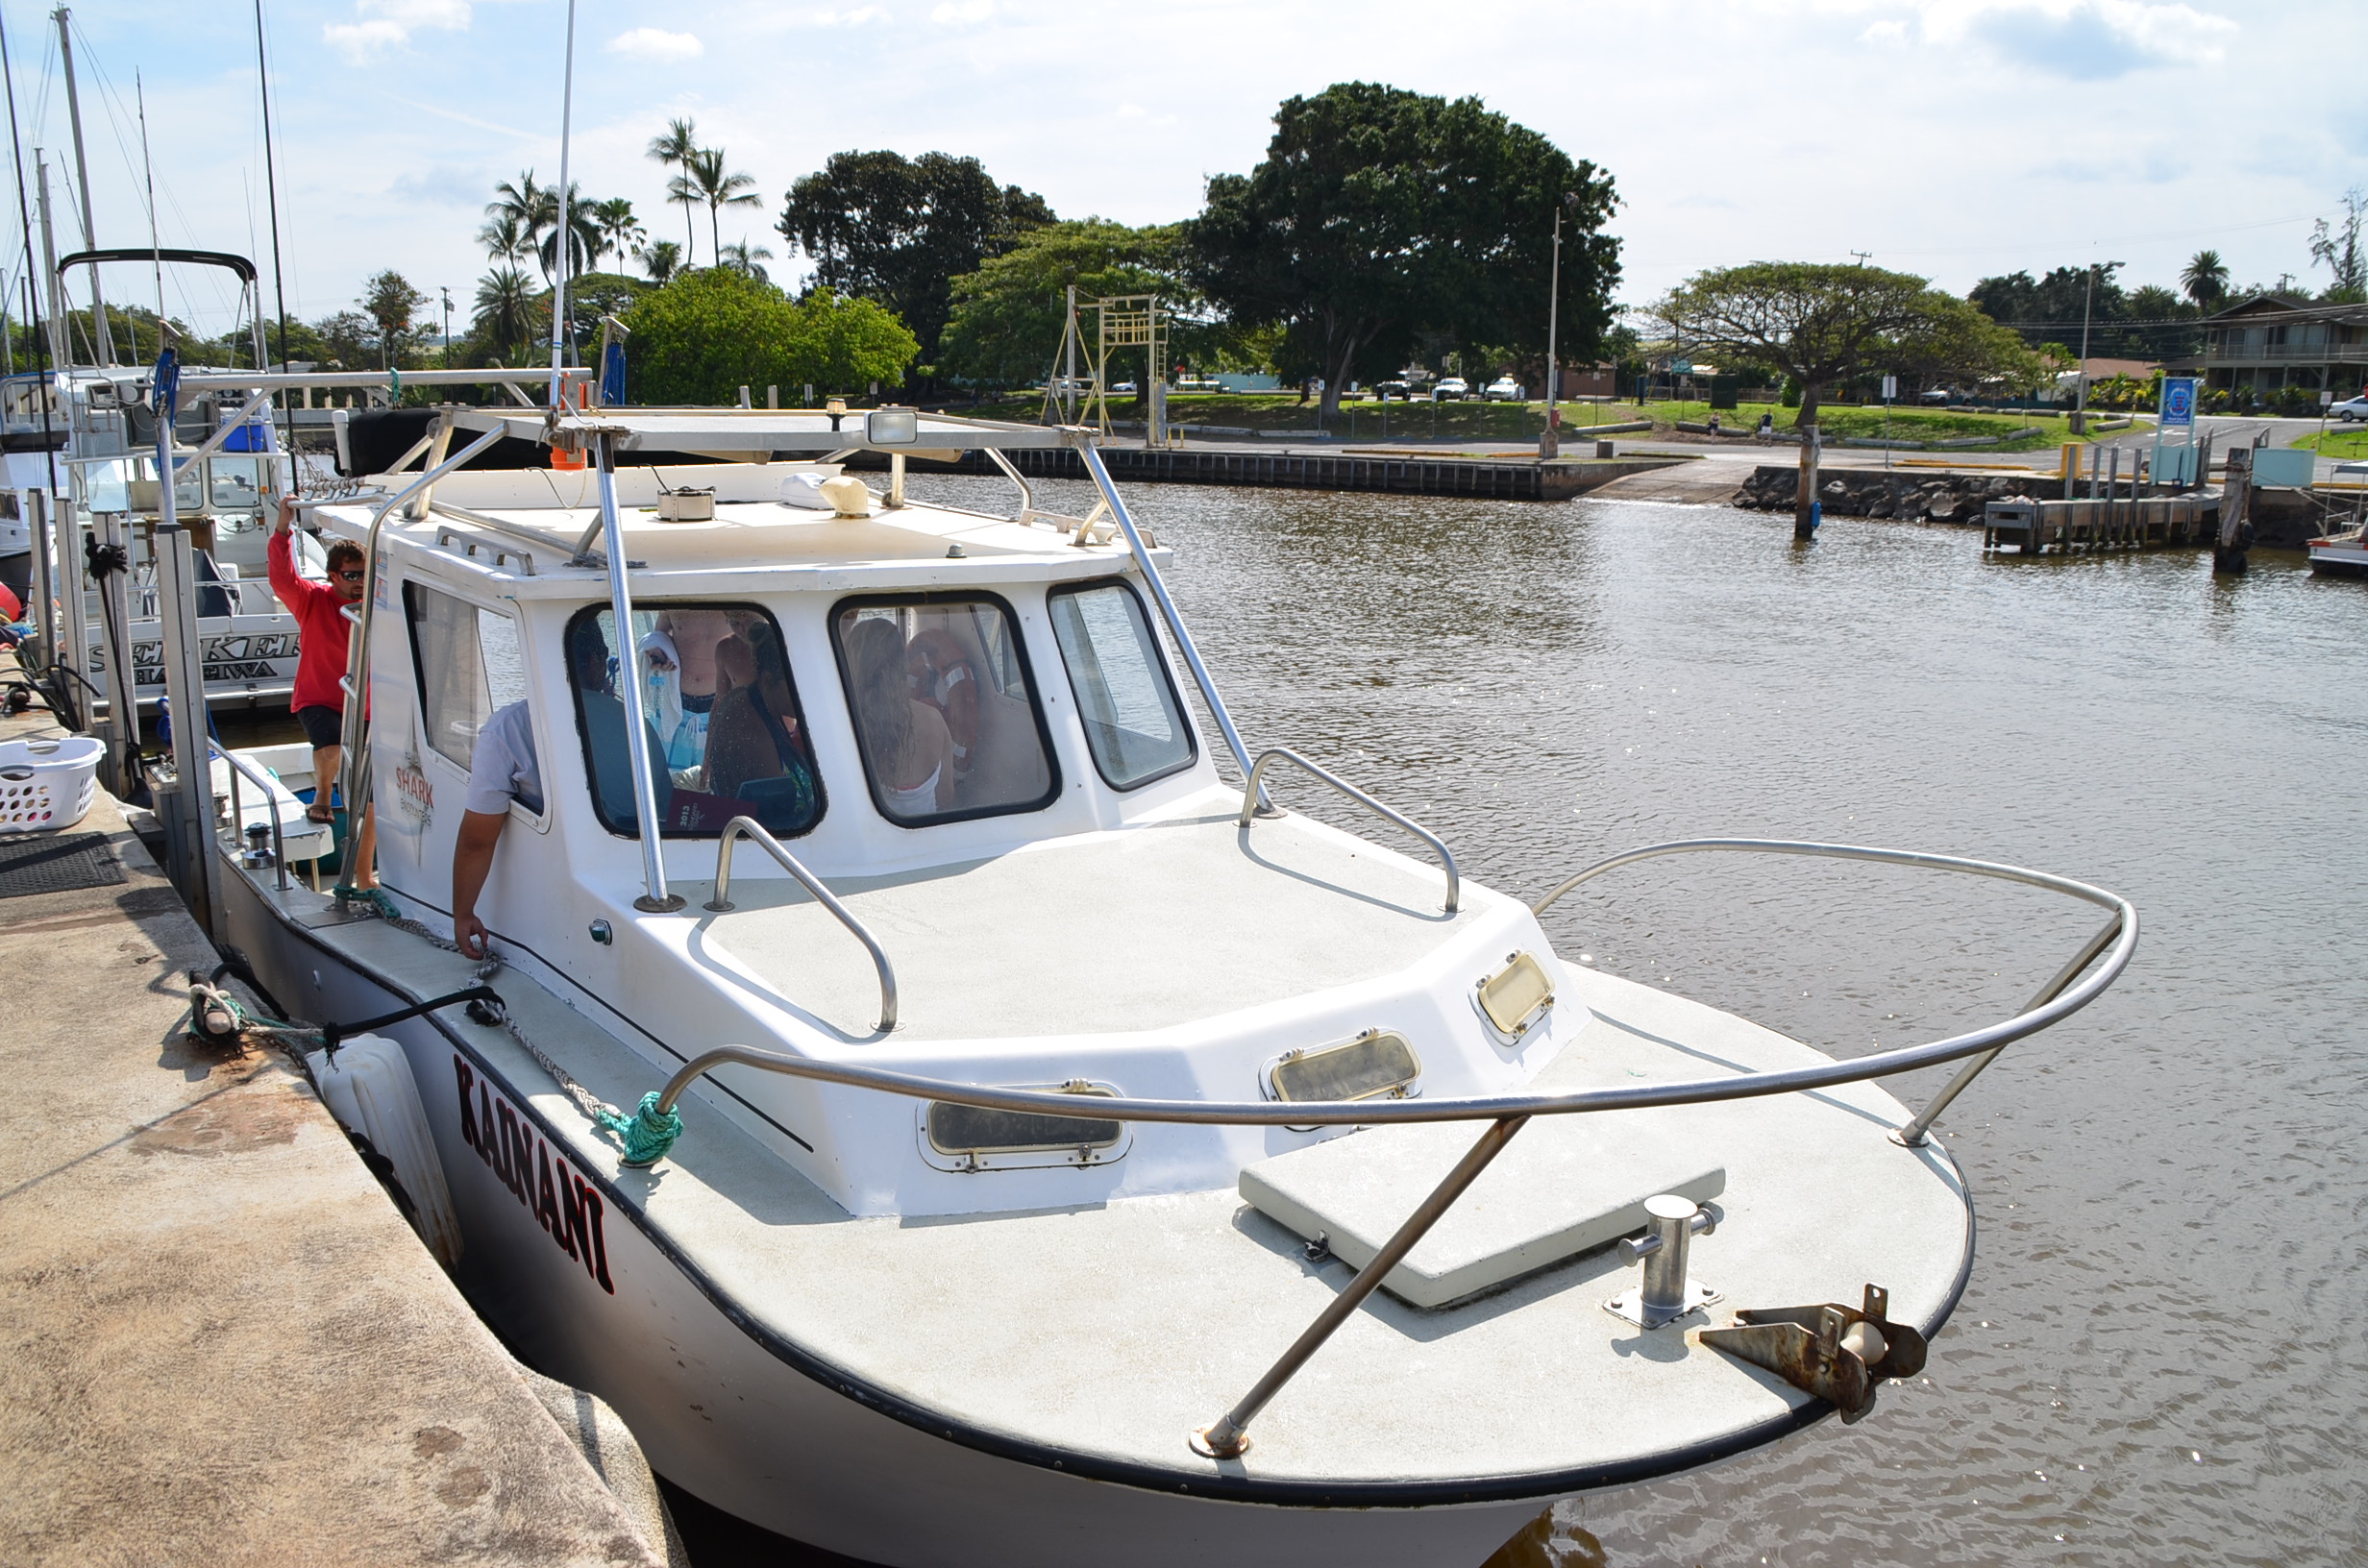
2341,555
1011,1097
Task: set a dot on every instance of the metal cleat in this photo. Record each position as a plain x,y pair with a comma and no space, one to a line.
1666,1293
1833,1352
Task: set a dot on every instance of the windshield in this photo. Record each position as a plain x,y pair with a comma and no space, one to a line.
1133,724
938,688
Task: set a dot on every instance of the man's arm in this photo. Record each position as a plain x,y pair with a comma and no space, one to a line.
280,554
472,859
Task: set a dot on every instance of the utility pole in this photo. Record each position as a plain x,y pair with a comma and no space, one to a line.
2080,386
1550,444
81,173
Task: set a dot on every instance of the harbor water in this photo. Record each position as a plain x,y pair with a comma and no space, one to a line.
2162,1356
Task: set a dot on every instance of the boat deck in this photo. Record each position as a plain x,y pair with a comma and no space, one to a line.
1101,1335
1139,929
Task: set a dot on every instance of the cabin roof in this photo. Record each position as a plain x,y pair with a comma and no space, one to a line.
757,431
526,526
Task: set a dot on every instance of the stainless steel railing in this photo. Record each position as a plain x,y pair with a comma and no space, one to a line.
1250,808
722,904
1227,1437
240,768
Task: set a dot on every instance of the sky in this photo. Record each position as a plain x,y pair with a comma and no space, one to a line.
1954,139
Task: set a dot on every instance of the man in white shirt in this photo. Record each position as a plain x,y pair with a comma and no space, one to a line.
503,768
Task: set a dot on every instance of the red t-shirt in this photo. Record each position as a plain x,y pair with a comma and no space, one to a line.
319,611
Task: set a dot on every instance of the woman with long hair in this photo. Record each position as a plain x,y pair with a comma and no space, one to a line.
905,742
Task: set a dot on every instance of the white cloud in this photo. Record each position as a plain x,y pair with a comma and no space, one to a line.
963,10
854,18
2086,40
656,43
381,25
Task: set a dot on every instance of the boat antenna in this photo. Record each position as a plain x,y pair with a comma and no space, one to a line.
271,188
24,214
558,298
103,330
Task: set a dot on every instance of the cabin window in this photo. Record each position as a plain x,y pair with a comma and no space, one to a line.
1134,725
469,666
720,711
944,708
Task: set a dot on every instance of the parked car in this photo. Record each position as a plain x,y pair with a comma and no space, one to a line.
2350,408
1454,389
1394,392
1505,389
1122,386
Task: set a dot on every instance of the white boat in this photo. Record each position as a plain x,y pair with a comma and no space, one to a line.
2342,555
1046,1128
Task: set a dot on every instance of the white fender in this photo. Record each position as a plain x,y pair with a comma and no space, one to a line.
370,1091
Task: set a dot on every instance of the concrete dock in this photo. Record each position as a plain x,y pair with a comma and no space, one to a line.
219,1341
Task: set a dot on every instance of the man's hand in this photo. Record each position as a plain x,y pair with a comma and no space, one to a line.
470,933
288,514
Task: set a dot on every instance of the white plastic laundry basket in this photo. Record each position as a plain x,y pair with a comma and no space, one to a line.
47,784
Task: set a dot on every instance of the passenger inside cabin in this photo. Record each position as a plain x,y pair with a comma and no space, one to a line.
680,680
503,769
756,751
905,741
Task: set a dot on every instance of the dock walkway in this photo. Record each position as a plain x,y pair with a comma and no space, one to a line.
219,1342
1399,471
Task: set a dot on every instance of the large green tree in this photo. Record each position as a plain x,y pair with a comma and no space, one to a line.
1380,215
1007,316
900,230
709,332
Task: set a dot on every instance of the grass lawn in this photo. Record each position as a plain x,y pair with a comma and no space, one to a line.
1474,421
2345,441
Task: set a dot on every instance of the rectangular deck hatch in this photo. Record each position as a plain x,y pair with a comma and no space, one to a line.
1566,1186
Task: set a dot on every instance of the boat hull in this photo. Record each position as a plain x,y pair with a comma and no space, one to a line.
558,1263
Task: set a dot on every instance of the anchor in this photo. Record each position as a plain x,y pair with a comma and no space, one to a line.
1841,1355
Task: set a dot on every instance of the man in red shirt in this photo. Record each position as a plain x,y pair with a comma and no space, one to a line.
318,700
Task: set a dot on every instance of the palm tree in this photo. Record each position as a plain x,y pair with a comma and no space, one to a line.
743,258
2205,279
662,260
534,207
505,308
585,240
705,174
620,230
673,150
504,238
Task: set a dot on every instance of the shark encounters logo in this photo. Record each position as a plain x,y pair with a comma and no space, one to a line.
564,1203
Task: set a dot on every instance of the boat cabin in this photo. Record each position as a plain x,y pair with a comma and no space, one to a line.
972,729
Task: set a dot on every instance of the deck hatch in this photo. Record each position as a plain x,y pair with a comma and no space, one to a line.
977,1138
1377,1063
1517,995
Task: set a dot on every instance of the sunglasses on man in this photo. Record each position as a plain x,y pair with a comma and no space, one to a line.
354,576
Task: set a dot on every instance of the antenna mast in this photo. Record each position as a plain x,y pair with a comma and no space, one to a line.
559,296
156,248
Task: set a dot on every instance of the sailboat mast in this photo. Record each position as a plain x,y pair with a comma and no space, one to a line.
156,247
271,179
60,339
558,297
100,327
42,354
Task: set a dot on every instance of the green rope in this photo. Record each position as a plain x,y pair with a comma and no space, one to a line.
375,899
647,1134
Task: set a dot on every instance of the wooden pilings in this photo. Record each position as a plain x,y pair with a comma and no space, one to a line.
2186,520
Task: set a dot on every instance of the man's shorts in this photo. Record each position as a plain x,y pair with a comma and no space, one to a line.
323,725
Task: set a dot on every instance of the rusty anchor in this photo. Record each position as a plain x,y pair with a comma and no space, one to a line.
1839,1355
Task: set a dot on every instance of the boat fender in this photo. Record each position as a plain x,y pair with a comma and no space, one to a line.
367,1085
